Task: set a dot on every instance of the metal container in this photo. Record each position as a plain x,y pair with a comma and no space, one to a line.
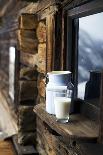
60,78
50,95
57,82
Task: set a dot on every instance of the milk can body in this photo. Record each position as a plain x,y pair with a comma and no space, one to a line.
51,91
57,82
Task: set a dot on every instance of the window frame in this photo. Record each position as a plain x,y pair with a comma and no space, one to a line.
71,28
71,14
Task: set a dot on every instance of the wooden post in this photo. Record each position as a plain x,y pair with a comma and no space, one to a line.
100,139
57,57
27,38
50,42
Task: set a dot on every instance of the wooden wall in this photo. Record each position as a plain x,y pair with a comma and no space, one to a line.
35,43
40,46
8,38
38,34
30,70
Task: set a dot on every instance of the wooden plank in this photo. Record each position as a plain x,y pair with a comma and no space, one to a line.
28,73
28,90
52,140
88,109
57,65
28,21
28,59
16,79
90,149
86,9
6,148
50,42
27,41
45,4
7,122
12,106
8,4
41,31
52,145
23,150
100,139
79,127
70,4
42,57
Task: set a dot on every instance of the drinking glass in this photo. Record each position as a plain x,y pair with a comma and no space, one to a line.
62,104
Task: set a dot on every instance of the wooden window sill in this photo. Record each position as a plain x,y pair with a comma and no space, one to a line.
91,149
79,128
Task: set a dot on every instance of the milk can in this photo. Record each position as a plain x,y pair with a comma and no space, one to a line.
57,83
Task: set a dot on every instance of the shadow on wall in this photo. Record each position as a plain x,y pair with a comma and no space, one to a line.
90,55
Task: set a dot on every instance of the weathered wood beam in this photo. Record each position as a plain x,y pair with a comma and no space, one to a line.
50,22
5,6
27,41
100,139
23,150
28,21
88,129
30,0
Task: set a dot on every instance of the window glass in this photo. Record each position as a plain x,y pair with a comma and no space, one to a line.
90,56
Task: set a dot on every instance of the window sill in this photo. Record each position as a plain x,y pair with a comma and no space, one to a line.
79,128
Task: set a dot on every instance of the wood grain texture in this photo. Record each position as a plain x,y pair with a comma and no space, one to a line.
27,119
50,20
28,21
27,41
28,59
49,140
7,123
79,127
70,4
28,90
41,31
23,150
87,9
90,149
6,148
100,140
57,56
42,57
28,73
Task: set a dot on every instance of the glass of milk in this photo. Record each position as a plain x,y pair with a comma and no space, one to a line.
62,107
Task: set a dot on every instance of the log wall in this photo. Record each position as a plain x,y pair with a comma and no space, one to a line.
39,41
32,47
8,38
8,31
41,50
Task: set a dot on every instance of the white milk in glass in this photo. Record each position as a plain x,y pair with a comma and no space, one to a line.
62,108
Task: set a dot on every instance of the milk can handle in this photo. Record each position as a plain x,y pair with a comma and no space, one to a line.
47,79
70,88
